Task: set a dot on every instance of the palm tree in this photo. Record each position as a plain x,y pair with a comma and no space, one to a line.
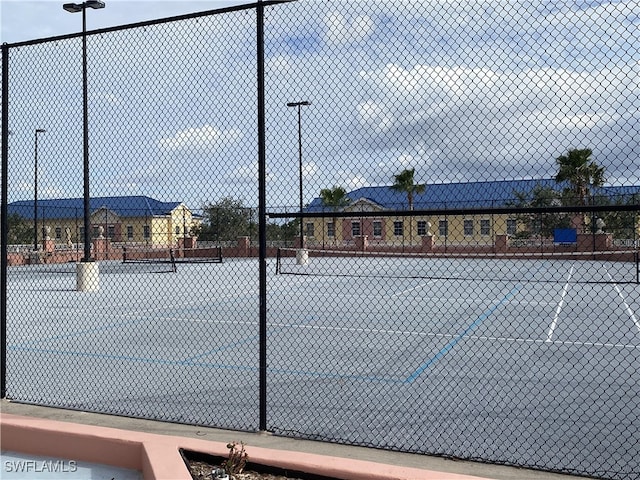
581,172
404,182
334,198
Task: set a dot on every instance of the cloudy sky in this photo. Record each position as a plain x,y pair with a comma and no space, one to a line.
24,20
459,90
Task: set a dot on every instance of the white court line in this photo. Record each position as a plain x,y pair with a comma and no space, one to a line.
403,292
626,305
413,333
554,323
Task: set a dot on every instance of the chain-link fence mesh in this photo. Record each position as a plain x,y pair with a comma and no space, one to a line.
450,238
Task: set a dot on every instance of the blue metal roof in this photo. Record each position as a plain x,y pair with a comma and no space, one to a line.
134,206
461,195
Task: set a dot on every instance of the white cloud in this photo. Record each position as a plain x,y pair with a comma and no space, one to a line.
309,169
202,138
376,115
247,173
279,64
339,30
357,181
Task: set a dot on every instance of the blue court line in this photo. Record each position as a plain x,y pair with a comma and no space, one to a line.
336,376
247,340
77,333
411,378
221,366
128,358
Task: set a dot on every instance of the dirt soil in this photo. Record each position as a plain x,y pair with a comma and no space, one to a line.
201,465
201,470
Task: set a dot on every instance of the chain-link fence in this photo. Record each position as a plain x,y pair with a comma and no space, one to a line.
412,226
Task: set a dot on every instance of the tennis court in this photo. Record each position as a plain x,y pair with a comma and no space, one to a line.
531,361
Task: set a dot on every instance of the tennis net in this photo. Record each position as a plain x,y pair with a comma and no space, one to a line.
567,267
171,256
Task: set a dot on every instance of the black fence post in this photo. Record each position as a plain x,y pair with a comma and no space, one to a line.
262,219
4,235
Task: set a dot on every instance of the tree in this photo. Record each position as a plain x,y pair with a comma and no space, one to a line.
537,224
225,220
334,199
581,172
19,229
620,223
404,182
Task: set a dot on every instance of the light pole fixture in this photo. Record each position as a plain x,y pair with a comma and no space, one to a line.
87,274
35,191
298,105
76,8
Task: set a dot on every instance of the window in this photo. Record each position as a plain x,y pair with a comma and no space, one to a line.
146,232
310,228
58,233
111,231
512,226
398,228
468,228
331,230
96,232
81,234
355,229
422,227
377,228
443,228
177,230
129,232
485,227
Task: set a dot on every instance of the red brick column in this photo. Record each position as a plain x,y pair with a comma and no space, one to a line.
427,243
502,243
49,246
362,242
243,246
101,247
598,242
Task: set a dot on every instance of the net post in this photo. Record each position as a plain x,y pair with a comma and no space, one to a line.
278,261
172,259
124,254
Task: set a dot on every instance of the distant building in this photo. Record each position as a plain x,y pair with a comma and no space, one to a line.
446,228
129,219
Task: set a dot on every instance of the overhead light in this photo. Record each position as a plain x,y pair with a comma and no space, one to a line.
94,4
78,7
72,7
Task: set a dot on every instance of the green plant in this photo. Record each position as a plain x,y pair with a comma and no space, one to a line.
237,459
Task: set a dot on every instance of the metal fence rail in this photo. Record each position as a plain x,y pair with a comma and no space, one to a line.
406,225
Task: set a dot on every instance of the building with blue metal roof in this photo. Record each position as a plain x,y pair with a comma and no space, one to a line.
467,229
128,219
464,194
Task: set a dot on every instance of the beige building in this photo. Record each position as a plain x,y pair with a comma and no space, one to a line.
443,229
128,220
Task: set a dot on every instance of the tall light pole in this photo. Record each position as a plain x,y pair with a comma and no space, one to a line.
298,105
86,272
75,8
35,192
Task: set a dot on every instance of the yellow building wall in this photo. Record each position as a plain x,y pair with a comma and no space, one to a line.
497,225
161,229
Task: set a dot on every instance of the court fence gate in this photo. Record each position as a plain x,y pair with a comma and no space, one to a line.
410,226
